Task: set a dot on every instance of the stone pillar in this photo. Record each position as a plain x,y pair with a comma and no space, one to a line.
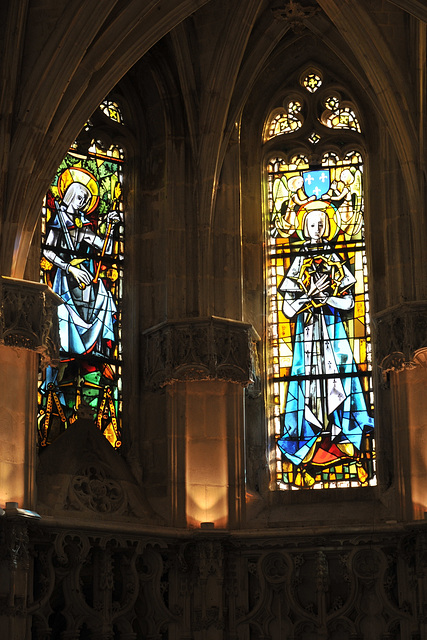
28,329
205,363
402,354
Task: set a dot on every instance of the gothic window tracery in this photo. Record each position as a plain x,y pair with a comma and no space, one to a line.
311,80
320,345
339,115
285,120
112,110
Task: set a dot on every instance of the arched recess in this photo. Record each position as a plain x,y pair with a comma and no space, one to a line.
57,86
387,89
143,300
280,73
83,253
319,354
379,81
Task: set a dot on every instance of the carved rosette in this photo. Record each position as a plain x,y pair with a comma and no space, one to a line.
401,337
202,349
28,317
91,488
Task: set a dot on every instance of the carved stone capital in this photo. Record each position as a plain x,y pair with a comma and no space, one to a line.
401,336
200,349
28,317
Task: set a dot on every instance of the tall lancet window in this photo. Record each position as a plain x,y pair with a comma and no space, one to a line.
82,261
320,347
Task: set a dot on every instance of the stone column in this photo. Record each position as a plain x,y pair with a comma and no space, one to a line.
402,354
28,330
205,364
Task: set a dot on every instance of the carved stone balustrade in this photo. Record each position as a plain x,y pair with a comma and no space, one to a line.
211,585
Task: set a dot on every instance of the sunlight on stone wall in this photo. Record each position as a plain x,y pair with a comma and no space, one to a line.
206,454
17,407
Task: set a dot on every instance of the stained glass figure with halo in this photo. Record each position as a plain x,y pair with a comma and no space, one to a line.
324,422
81,255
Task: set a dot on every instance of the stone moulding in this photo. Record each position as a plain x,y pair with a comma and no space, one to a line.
28,317
201,349
401,336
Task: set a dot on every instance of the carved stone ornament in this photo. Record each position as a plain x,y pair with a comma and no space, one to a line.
201,349
275,568
401,336
28,317
15,547
92,489
351,586
294,14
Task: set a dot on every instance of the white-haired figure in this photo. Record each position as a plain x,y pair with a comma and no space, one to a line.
87,317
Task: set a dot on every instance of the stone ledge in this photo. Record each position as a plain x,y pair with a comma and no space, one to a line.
200,349
28,318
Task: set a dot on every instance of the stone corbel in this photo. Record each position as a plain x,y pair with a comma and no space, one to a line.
401,337
28,317
398,362
201,349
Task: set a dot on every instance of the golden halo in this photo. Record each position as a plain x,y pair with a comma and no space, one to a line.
318,205
84,177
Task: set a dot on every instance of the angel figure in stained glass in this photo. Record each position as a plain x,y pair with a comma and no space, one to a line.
289,197
325,416
344,193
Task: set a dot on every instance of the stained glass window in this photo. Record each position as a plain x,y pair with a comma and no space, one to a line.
112,110
320,364
337,116
314,137
82,261
320,339
311,81
285,121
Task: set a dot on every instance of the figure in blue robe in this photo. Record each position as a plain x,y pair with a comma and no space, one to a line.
325,415
87,317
